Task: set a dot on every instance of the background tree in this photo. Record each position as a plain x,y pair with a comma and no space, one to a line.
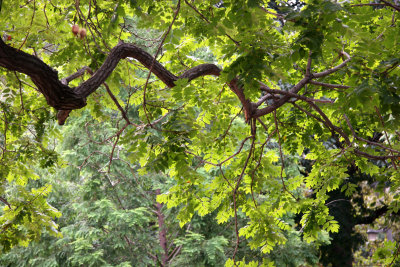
110,215
284,80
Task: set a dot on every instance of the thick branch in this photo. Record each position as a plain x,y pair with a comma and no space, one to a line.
45,78
372,217
119,52
62,97
397,8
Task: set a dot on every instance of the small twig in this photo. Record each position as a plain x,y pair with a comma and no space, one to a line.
226,179
225,160
308,68
219,95
20,91
205,19
391,68
124,115
258,165
336,200
330,85
263,124
114,99
288,93
365,140
77,74
396,254
155,56
5,202
45,15
234,196
112,152
240,149
307,112
386,135
328,122
281,156
279,16
334,69
28,32
201,159
369,4
230,124
152,124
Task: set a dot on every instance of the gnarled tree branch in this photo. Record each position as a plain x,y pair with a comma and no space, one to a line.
62,97
58,95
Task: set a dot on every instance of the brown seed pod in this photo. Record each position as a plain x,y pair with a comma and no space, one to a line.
82,33
75,29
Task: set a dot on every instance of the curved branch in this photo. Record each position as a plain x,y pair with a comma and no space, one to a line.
122,51
395,7
62,97
44,77
334,69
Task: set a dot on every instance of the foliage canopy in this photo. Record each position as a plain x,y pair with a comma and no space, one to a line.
225,97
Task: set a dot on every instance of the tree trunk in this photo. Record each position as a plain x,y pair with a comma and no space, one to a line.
162,233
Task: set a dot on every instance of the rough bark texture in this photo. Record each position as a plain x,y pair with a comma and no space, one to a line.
62,97
65,99
45,78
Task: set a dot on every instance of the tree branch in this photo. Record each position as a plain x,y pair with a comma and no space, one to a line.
5,202
295,89
328,85
397,8
334,69
372,217
287,93
60,96
367,141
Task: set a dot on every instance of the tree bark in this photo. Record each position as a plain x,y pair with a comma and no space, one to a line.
62,97
58,95
162,234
